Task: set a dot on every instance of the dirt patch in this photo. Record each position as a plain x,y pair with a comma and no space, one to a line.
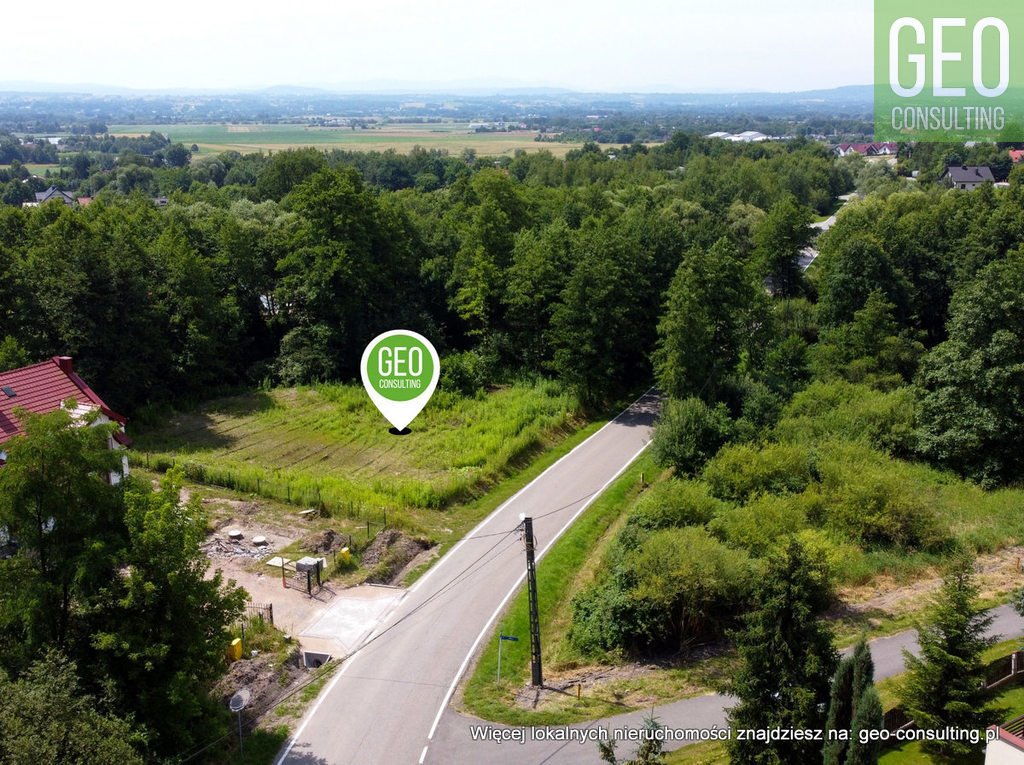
265,677
325,542
998,573
389,553
617,684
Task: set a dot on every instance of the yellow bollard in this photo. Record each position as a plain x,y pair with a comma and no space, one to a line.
235,650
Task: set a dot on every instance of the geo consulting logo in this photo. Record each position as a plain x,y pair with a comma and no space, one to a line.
949,70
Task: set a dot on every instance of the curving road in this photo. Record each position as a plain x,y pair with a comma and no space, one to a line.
386,703
390,702
454,741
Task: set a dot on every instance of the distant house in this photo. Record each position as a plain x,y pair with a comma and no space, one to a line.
967,177
887,149
84,201
49,386
42,197
160,201
747,136
1016,155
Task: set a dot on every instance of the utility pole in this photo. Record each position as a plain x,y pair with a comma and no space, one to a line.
531,588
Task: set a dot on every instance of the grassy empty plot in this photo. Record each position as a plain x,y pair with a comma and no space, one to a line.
450,136
327,445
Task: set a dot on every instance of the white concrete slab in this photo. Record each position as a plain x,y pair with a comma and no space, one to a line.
353,615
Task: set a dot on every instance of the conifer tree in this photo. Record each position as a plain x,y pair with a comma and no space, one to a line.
787,661
945,684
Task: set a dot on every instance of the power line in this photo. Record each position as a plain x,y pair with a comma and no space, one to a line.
187,756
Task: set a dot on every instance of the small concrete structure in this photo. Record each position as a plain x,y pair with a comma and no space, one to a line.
235,534
259,541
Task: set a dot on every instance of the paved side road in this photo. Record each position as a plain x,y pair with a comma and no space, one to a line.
454,742
383,706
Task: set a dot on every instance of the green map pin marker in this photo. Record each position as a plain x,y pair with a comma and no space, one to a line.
400,370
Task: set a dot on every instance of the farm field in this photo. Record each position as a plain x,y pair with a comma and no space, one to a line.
452,137
327,445
35,169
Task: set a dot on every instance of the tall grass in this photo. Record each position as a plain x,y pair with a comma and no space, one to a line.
326,446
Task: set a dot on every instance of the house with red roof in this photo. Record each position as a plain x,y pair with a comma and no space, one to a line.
1016,155
51,385
886,149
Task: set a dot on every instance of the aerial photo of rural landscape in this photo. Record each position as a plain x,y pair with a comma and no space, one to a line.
472,384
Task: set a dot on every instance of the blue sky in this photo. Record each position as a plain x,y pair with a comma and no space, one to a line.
642,45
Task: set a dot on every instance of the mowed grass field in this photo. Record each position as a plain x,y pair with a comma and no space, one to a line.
451,136
329,446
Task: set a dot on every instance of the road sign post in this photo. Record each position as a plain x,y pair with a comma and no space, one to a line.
502,639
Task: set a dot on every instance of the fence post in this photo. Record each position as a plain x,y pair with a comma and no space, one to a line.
309,582
270,611
367,528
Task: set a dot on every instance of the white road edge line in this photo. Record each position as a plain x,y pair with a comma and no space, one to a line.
334,681
515,496
423,754
515,588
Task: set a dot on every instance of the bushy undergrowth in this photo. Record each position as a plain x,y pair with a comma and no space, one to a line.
828,475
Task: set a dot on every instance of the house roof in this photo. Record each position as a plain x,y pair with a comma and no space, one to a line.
54,193
43,388
1008,738
1016,155
969,174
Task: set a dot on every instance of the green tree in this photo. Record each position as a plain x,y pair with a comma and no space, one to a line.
162,626
868,716
603,323
779,238
177,155
12,354
689,433
286,170
945,685
854,706
972,407
708,310
787,660
649,752
46,716
853,267
56,500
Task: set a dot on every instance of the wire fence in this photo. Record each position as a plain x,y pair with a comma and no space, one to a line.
299,492
263,612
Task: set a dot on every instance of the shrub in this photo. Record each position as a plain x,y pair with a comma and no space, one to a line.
878,505
741,471
757,526
675,503
852,412
689,434
678,586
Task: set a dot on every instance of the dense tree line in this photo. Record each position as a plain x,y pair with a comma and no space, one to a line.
281,267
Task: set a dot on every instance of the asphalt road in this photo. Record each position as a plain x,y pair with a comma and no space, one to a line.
384,705
455,743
